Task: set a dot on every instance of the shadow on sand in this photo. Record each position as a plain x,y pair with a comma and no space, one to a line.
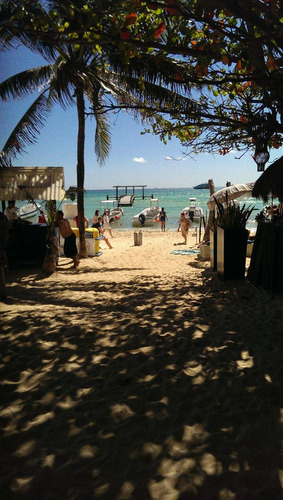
134,391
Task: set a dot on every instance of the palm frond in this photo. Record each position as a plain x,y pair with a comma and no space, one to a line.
102,138
26,82
26,131
102,141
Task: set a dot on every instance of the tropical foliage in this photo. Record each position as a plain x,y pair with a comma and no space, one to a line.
209,73
74,74
225,55
231,215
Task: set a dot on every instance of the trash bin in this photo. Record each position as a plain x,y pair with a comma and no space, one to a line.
137,238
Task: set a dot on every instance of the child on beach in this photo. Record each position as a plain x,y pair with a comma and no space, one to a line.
106,222
70,247
184,223
95,217
98,225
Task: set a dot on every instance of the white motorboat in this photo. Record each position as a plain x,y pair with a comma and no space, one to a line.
29,210
115,212
193,211
148,216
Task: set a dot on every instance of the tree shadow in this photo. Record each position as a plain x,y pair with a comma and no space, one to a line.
136,390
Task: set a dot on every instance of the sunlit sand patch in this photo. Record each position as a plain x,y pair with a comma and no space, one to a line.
175,468
88,451
21,484
194,434
198,334
210,465
176,449
247,361
67,403
38,420
192,371
29,381
152,450
49,461
26,449
147,378
121,412
163,490
16,407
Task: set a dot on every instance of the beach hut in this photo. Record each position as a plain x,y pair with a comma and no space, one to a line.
270,183
30,183
37,183
266,268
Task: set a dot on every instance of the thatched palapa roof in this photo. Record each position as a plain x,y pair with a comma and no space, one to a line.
270,183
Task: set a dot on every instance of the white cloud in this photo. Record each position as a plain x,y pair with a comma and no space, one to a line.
139,160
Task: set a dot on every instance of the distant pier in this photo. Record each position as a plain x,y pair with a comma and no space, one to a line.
129,194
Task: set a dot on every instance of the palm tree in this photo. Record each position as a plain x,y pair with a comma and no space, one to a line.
74,75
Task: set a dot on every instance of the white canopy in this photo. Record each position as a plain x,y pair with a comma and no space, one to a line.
38,183
232,192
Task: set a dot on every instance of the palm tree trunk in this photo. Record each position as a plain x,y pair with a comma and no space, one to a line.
211,216
81,168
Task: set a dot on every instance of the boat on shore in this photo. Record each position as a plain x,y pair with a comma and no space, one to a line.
202,186
148,216
193,211
115,212
29,210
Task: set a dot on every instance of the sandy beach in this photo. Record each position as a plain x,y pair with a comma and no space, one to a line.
140,376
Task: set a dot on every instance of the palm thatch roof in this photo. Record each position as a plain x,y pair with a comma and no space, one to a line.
26,183
270,183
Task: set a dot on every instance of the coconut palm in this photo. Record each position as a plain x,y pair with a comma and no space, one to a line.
72,75
76,75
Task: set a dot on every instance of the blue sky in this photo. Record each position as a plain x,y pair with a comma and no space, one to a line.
134,159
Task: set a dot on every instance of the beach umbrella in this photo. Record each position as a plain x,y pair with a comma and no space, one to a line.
270,183
232,192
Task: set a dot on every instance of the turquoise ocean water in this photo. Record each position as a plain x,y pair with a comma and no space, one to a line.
173,201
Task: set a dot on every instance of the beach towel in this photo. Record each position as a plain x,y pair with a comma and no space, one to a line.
189,251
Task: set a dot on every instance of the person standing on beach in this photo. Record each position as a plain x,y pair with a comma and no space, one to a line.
163,218
95,217
70,247
106,223
184,224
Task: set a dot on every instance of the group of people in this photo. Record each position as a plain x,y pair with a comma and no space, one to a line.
102,223
99,222
184,223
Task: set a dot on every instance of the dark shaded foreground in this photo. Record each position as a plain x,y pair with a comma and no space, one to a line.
137,392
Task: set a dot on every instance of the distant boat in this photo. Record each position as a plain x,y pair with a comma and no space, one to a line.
202,186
